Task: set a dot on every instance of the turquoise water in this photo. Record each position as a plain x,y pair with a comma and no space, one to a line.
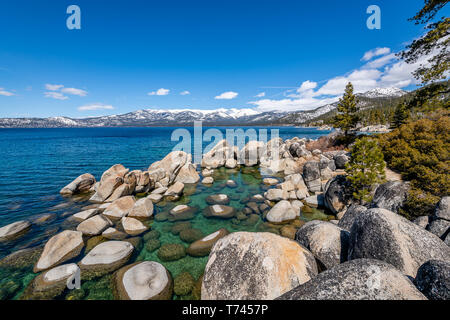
39,162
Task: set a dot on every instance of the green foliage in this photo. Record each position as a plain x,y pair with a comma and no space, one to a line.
365,169
435,40
347,118
400,115
420,152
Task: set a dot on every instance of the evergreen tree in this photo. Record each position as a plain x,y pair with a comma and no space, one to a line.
400,115
347,111
365,168
436,40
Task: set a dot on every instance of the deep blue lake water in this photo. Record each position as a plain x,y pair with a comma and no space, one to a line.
37,163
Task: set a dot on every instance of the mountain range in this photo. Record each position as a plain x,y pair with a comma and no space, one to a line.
186,117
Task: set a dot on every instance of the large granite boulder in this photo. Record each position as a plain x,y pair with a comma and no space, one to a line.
172,164
142,209
276,195
95,225
146,280
337,194
84,215
144,182
175,190
362,279
433,280
443,209
188,174
120,208
14,230
202,247
255,266
391,196
383,235
218,155
81,184
326,241
109,182
350,215
133,226
282,212
311,175
60,248
105,258
250,155
341,160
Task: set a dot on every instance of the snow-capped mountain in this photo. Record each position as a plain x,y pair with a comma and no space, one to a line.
186,117
383,93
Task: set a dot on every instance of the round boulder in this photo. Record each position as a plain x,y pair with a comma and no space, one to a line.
260,266
433,280
218,199
384,235
147,280
326,241
362,279
60,248
282,212
14,230
171,252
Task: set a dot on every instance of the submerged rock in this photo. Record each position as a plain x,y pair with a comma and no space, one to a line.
217,199
60,248
50,284
259,266
183,284
219,211
147,280
171,252
22,258
383,235
105,258
14,230
191,235
202,247
362,279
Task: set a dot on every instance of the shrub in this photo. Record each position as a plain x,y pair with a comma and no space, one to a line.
420,152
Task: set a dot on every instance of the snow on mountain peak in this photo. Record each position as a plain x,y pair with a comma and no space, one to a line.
384,92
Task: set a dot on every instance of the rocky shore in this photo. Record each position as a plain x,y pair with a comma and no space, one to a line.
364,252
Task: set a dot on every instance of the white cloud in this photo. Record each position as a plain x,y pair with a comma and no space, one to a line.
185,93
381,62
5,93
159,92
55,95
95,106
383,72
307,85
227,95
53,87
260,95
74,91
375,53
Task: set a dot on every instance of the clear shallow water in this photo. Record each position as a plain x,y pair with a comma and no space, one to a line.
37,163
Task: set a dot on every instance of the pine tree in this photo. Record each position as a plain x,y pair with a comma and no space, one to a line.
365,168
347,111
400,115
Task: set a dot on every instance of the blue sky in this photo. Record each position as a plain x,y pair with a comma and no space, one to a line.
132,55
